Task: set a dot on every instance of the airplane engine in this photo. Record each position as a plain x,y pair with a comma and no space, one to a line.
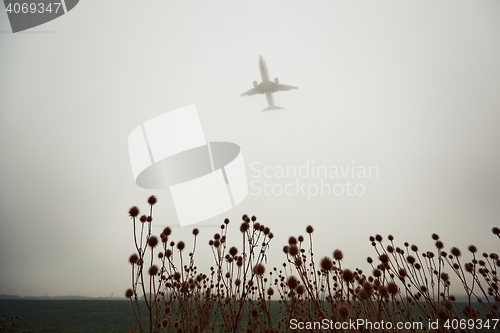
276,81
255,83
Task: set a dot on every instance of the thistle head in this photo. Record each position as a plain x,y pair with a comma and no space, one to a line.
133,211
152,200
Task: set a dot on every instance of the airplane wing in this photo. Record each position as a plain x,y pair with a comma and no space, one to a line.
251,92
282,87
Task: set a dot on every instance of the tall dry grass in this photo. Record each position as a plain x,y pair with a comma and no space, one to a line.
237,295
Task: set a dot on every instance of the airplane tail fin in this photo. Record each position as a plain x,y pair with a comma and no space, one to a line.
275,107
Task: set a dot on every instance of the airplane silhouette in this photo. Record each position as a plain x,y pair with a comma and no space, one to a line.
267,87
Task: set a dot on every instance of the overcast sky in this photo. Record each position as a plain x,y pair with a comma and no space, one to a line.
412,88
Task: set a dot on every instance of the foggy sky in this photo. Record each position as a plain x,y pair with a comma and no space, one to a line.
410,87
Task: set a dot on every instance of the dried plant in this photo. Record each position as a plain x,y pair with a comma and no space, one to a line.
240,294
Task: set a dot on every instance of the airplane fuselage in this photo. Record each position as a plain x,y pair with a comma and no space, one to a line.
263,70
265,81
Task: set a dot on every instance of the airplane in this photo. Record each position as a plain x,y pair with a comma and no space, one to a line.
267,87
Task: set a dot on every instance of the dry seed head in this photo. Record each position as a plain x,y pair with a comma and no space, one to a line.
143,218
309,229
338,255
456,252
363,294
292,282
244,227
153,270
152,200
293,250
383,258
153,241
472,249
301,289
392,288
133,259
326,264
129,293
343,310
133,211
167,231
259,269
348,275
233,251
